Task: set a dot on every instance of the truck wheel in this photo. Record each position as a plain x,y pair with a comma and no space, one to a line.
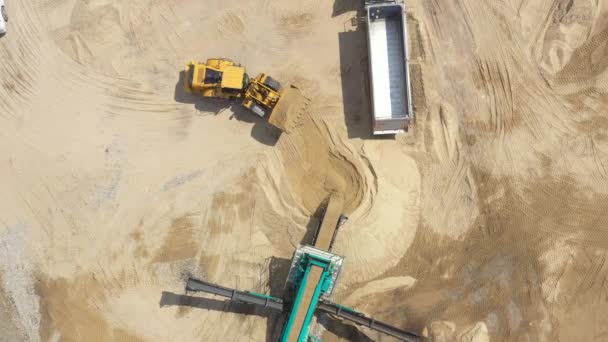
272,83
4,15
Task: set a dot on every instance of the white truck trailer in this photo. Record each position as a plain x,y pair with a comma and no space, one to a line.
388,67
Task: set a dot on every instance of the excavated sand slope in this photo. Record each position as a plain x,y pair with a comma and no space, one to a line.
487,222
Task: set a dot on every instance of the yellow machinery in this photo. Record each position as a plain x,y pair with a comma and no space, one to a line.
263,95
218,78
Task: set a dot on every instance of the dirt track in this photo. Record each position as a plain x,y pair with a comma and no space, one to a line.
486,222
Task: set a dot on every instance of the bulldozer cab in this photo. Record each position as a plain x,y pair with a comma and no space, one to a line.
212,76
218,78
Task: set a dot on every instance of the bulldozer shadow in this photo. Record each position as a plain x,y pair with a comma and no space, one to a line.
260,131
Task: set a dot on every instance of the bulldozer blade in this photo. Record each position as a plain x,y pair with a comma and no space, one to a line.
288,112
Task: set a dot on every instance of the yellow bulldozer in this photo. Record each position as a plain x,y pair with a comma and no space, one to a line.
263,95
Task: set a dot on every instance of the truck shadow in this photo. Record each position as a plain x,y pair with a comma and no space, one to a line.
355,85
343,6
260,131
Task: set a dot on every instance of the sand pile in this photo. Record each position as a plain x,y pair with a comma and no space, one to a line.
486,222
513,173
310,162
315,166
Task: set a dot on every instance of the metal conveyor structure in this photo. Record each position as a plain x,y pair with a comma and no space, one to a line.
235,295
276,304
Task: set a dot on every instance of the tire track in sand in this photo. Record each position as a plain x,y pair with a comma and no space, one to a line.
21,48
315,166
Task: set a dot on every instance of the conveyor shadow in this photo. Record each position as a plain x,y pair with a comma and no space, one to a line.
172,299
260,131
278,269
313,225
342,330
275,320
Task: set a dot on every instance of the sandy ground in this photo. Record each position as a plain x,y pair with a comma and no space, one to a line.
486,222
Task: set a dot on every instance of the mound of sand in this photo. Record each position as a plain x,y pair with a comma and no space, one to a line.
117,185
315,166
